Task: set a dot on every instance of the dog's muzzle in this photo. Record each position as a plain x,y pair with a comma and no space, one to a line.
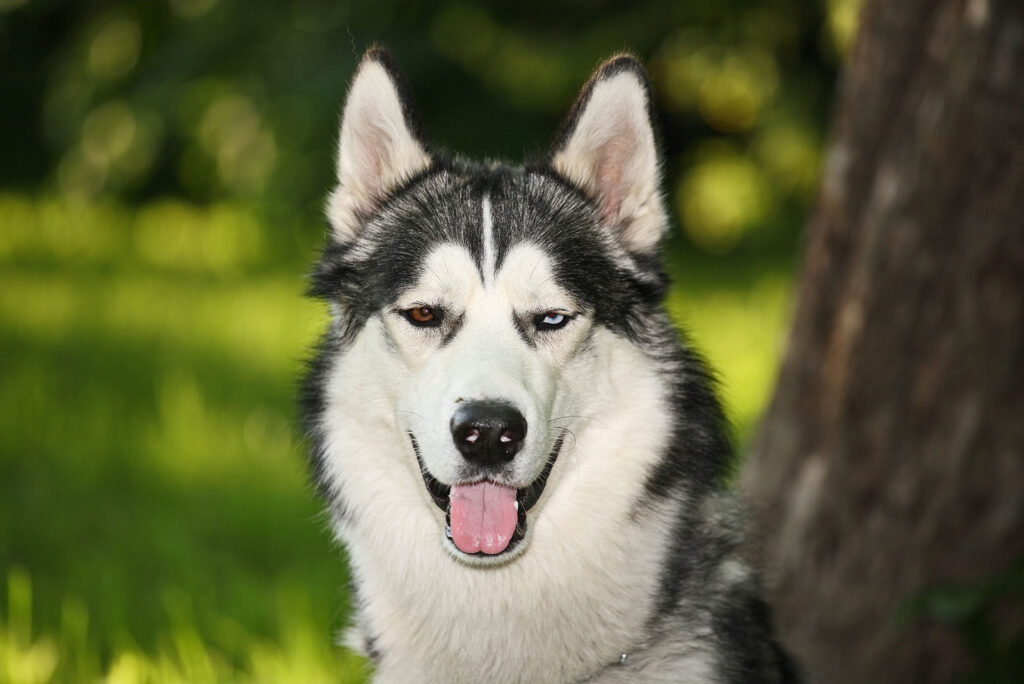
484,515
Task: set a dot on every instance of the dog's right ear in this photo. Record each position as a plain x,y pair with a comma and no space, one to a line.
378,147
607,148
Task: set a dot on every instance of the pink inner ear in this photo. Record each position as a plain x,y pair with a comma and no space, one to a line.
611,186
372,146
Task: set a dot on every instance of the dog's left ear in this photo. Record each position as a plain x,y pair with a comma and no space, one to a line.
607,148
379,146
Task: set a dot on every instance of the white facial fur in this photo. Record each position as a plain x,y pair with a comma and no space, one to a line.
487,359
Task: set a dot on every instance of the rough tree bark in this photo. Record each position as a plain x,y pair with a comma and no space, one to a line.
891,458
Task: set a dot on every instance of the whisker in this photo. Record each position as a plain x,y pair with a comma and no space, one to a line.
571,433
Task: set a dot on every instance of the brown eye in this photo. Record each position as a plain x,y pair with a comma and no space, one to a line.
423,316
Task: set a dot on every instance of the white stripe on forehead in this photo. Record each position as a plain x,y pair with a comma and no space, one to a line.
489,260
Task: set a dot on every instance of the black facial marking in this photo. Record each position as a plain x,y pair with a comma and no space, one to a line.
524,333
453,329
389,339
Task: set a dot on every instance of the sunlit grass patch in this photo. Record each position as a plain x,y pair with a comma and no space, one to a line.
298,653
24,659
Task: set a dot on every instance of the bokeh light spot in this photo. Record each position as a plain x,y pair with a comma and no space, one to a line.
108,132
731,97
191,9
232,132
728,101
721,197
685,61
8,5
78,177
792,156
843,20
728,86
114,48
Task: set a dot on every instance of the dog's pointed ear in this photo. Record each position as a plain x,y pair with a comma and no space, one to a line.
379,145
607,148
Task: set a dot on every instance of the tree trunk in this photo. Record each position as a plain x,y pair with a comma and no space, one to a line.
891,459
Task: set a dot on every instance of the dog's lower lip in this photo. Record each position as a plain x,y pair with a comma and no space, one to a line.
526,497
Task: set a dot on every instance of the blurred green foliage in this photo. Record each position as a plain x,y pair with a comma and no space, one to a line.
161,177
212,100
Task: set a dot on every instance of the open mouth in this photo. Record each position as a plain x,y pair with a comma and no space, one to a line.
486,519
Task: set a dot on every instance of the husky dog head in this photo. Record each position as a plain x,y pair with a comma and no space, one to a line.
478,312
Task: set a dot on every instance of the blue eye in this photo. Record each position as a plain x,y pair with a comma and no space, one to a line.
550,320
553,319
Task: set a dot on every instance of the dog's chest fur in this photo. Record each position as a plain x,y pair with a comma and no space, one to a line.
554,621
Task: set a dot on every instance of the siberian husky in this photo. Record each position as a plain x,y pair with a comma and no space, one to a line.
521,457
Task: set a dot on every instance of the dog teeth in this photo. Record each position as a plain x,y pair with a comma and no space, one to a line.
516,504
448,531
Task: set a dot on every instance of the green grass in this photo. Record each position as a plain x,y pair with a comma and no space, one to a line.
156,524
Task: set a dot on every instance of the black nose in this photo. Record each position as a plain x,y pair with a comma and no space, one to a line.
488,433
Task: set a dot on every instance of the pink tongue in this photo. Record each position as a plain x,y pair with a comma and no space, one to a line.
482,516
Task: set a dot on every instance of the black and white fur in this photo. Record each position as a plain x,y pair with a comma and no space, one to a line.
624,568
